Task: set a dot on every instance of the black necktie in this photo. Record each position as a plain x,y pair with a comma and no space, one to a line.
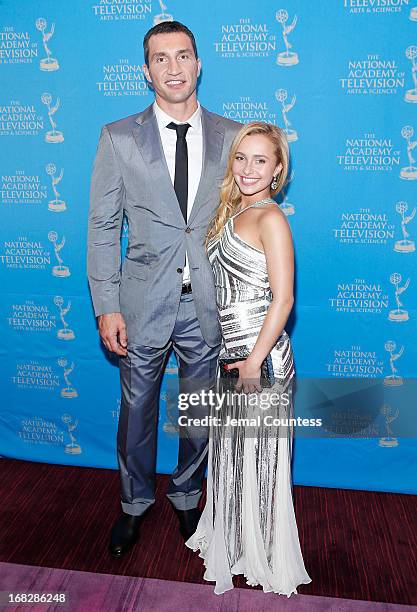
181,165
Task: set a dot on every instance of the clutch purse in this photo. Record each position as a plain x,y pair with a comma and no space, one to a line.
267,379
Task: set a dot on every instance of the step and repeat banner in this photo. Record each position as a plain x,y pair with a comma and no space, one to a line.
340,77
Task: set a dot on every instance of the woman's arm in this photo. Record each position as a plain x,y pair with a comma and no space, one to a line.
276,238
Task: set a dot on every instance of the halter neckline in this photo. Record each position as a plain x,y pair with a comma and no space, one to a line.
258,203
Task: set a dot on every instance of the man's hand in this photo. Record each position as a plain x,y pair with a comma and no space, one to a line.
112,329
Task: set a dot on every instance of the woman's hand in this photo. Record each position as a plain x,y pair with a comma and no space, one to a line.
249,376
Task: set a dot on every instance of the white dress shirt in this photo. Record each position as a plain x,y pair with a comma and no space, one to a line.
194,139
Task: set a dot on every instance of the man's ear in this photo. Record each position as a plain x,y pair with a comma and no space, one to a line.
199,67
146,73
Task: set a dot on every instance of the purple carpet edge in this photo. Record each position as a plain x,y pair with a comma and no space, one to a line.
107,592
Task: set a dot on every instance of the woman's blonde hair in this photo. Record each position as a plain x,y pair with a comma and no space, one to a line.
230,195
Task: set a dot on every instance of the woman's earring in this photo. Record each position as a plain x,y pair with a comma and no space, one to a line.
274,183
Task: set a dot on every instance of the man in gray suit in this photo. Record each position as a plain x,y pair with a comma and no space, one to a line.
162,168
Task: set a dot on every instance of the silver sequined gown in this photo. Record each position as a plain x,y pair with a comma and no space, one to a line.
248,525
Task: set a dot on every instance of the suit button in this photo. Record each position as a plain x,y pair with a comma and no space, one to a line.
188,230
179,270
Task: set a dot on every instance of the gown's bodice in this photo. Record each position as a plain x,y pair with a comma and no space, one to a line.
243,295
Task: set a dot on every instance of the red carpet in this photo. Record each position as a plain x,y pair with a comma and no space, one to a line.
356,544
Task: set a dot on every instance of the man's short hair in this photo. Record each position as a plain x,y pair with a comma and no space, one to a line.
167,27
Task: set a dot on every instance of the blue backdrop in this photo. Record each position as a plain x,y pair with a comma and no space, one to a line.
341,78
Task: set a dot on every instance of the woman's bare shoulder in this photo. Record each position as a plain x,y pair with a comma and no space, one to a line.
272,218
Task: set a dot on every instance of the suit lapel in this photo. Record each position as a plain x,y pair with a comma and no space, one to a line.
213,138
148,140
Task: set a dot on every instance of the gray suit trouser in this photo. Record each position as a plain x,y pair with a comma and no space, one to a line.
141,373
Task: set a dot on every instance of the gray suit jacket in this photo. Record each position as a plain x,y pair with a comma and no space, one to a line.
131,175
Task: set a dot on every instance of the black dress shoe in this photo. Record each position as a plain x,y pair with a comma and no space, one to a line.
125,534
188,521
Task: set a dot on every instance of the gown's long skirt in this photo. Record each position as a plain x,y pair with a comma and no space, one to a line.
248,525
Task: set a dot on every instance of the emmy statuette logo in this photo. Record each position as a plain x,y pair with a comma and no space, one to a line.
281,96
59,270
65,333
405,245
52,136
409,173
56,205
388,441
170,397
171,425
393,379
161,17
73,448
48,63
69,391
287,208
411,54
287,57
398,314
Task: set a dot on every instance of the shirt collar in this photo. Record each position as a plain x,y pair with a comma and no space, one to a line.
163,118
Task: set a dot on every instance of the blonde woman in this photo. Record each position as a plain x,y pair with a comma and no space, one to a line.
248,525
